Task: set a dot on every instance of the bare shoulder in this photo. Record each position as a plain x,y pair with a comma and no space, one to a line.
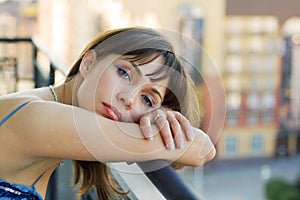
40,128
27,95
14,138
10,106
11,101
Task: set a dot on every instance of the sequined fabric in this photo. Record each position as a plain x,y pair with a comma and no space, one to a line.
10,191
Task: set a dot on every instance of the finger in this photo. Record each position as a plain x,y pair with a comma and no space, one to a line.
145,124
185,125
159,114
176,130
165,132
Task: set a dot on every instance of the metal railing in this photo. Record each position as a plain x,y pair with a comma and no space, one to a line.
41,78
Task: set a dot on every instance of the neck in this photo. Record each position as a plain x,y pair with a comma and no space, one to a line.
65,93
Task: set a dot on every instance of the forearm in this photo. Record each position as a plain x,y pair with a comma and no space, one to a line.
50,130
130,142
60,131
113,141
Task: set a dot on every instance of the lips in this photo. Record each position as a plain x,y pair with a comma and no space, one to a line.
111,112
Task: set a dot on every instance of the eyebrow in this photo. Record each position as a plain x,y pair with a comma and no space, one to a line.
136,67
157,92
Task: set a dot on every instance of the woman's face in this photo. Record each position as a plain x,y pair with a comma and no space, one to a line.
119,89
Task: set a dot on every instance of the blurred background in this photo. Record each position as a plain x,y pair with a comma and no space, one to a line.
247,76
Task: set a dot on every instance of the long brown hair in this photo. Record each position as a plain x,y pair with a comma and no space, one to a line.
142,45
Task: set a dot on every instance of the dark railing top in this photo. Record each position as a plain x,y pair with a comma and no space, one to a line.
14,40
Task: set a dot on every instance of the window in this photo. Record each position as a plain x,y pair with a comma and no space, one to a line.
268,100
235,44
254,82
269,82
231,145
234,25
234,100
267,116
234,83
255,63
232,119
253,100
255,25
270,25
271,62
256,44
252,118
257,144
234,64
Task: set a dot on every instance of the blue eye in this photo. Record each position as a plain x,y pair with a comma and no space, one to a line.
148,101
123,73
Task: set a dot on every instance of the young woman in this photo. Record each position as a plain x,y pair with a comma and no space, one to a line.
127,98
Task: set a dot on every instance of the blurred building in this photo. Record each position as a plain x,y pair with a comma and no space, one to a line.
74,23
243,59
66,26
252,82
261,74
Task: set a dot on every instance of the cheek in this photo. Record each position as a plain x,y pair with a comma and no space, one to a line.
87,92
109,80
85,97
138,111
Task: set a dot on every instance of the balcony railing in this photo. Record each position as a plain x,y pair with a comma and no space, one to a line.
166,183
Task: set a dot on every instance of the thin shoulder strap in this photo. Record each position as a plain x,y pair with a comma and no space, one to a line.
37,180
12,113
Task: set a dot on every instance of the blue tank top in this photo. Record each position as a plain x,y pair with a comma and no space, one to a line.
11,191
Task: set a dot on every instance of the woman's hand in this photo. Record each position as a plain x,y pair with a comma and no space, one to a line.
174,128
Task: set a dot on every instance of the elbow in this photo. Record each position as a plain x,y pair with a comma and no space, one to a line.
207,152
200,151
211,154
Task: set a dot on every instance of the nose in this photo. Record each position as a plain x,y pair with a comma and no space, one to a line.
126,99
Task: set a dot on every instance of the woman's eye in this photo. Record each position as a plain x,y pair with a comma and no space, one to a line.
123,73
148,101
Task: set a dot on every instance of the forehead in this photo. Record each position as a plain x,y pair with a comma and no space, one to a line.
146,67
150,68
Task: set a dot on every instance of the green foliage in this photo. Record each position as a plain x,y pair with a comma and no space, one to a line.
297,182
274,187
278,189
290,194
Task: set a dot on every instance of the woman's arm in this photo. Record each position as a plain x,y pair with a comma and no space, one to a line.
50,130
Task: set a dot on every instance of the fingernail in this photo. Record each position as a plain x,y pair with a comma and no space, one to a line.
171,146
191,136
149,135
181,145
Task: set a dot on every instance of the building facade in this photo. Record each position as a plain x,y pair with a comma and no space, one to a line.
251,77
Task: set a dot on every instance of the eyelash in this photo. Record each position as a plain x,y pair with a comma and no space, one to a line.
148,100
124,74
